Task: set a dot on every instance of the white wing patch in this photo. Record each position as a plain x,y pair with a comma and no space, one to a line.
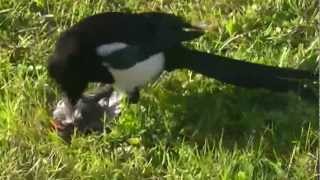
106,49
139,74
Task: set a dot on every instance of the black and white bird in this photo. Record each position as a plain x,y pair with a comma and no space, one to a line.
127,50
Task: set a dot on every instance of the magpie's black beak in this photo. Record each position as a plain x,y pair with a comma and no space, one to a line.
192,32
193,28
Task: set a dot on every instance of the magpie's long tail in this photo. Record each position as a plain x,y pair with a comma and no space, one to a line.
242,73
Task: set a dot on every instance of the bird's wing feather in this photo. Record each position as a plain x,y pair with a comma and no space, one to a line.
125,58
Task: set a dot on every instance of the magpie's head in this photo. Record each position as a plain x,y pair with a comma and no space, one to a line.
67,67
173,27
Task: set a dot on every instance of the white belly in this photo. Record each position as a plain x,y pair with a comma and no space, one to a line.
137,75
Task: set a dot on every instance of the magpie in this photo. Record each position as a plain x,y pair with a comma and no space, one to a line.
127,50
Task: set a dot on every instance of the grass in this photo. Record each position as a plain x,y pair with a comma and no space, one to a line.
186,126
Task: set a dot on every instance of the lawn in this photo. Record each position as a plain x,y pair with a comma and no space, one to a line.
186,126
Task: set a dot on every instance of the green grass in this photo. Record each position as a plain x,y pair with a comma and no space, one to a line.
186,126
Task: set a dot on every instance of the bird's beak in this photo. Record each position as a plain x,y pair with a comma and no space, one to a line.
192,28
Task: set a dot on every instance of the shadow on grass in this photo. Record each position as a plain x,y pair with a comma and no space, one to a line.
240,115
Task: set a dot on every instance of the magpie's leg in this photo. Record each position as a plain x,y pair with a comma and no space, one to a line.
134,96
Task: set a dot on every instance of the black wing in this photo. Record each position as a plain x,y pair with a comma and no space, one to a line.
145,34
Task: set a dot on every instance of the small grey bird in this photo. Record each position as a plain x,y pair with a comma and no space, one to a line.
88,113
